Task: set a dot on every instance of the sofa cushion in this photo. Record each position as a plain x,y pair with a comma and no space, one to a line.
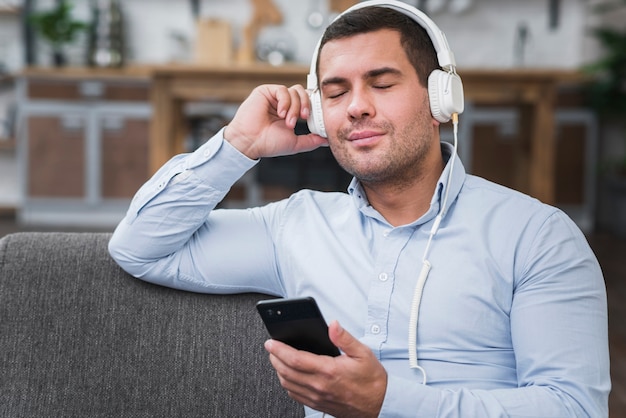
81,338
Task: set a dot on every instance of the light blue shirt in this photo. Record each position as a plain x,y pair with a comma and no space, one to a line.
513,318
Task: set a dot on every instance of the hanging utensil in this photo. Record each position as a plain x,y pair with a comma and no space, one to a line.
315,18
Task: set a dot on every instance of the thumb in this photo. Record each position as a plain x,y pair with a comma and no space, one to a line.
344,340
309,142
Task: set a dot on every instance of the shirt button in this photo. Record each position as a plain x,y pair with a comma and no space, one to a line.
383,277
375,329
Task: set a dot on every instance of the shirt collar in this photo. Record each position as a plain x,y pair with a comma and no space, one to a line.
355,189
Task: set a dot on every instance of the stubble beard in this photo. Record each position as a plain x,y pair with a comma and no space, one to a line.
398,163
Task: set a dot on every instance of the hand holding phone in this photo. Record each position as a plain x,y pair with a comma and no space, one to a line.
299,323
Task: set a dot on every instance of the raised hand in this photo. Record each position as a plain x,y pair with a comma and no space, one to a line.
263,125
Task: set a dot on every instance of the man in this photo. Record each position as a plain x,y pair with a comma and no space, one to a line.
512,315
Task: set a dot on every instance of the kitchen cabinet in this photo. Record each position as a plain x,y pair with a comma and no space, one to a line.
83,139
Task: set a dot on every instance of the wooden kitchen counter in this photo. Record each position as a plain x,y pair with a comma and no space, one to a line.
532,91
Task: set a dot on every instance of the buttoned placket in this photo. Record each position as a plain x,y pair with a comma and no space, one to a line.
391,244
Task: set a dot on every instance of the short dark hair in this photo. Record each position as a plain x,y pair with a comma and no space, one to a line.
413,37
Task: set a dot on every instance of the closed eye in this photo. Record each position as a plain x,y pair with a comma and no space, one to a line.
334,87
335,94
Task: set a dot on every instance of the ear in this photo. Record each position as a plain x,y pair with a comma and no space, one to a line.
445,92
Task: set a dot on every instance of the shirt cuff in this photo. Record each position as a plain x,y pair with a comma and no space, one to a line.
409,397
227,166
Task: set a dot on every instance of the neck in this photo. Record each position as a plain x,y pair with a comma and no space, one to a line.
403,202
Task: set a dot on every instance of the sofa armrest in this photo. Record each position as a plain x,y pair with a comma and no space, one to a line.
80,337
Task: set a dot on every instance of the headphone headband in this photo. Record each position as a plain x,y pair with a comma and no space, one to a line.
445,57
445,89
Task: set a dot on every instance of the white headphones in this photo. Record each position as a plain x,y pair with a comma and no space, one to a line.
445,89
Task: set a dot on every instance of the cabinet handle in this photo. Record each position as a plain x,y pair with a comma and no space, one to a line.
72,123
113,123
91,89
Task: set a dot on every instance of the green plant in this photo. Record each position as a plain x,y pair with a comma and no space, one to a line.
57,26
606,92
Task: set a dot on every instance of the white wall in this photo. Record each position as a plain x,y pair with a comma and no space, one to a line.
10,45
484,35
153,21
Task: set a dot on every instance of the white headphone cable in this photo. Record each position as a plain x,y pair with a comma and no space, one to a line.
421,280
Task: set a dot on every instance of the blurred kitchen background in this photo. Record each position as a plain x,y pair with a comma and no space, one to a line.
96,94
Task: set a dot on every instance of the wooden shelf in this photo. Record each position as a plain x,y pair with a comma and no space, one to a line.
73,73
7,144
6,78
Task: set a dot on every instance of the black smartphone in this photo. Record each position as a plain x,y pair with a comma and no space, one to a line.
299,323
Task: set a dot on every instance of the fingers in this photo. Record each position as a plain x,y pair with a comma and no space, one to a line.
298,371
292,104
263,126
298,359
348,385
294,364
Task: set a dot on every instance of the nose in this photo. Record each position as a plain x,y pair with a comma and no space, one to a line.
361,104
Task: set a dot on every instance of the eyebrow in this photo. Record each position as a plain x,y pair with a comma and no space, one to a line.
377,72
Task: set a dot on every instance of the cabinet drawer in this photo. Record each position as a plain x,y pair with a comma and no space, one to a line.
56,156
124,155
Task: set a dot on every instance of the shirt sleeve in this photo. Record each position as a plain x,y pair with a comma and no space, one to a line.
172,236
559,326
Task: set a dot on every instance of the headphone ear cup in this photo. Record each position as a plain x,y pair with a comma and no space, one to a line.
445,93
315,122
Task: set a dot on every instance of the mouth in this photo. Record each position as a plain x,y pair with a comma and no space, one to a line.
364,138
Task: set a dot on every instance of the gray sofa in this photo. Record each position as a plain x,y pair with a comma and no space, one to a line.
81,338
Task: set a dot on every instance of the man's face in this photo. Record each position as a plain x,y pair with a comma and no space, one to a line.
376,111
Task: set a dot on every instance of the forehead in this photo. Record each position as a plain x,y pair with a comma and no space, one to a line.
362,51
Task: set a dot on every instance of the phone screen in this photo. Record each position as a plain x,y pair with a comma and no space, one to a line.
299,323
